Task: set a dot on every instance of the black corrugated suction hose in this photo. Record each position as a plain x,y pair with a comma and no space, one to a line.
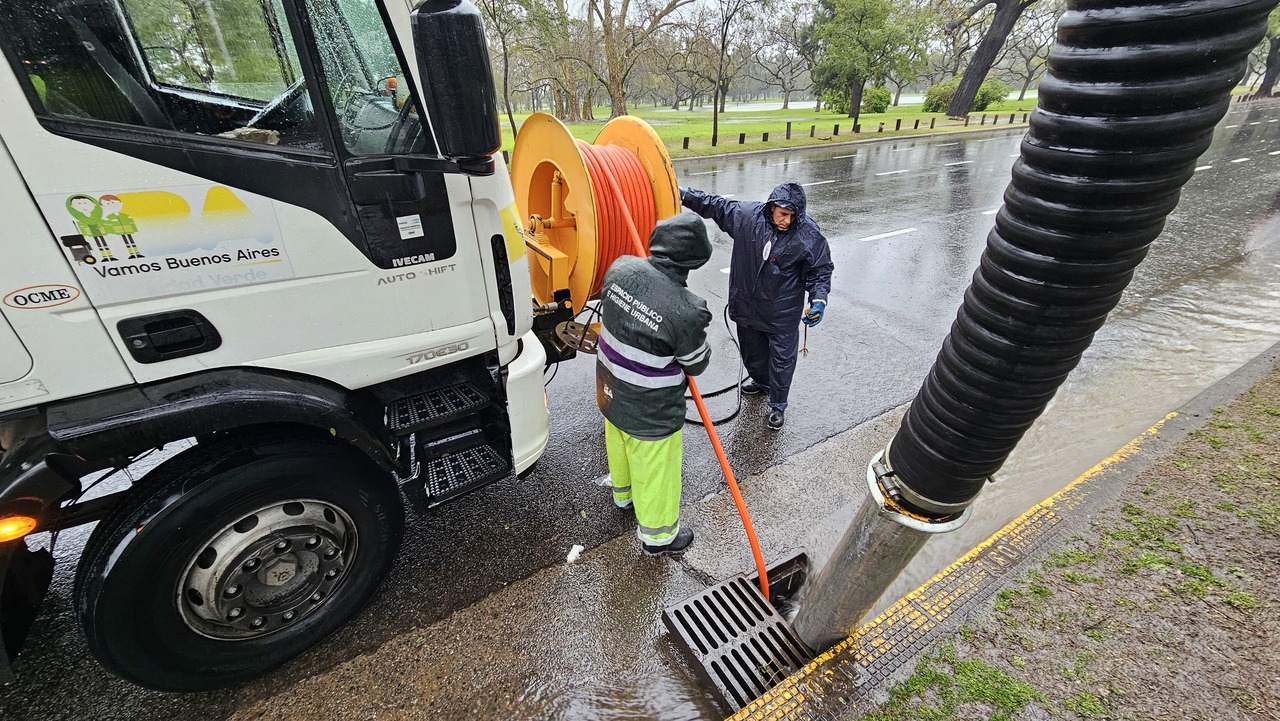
1131,98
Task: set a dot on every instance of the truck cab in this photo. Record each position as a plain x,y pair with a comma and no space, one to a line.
278,234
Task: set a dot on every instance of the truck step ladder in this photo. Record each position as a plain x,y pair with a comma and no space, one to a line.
453,474
435,407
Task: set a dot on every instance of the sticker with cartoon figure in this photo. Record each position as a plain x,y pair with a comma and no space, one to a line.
127,245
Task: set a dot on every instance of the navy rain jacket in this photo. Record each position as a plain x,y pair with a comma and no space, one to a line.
770,271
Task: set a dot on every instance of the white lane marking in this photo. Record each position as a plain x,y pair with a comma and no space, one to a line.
1232,126
898,150
842,157
993,211
1203,167
728,195
904,231
1273,121
943,145
961,162
816,182
708,172
1274,152
1240,160
1256,123
724,270
893,172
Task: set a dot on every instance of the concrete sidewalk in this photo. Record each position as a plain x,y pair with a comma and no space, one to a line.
1144,589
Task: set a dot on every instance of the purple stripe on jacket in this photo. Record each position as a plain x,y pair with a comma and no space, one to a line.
622,361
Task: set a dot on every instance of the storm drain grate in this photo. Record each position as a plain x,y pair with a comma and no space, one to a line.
737,641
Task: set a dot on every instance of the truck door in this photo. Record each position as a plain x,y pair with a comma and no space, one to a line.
14,359
228,181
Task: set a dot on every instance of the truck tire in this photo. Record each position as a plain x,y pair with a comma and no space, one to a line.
233,557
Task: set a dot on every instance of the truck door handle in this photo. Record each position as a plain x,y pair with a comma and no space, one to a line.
164,336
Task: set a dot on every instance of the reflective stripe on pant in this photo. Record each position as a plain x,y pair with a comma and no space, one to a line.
770,359
647,472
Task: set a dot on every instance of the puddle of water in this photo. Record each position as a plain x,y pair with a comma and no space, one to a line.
645,696
1145,362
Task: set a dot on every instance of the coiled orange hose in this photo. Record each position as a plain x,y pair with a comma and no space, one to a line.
627,206
634,202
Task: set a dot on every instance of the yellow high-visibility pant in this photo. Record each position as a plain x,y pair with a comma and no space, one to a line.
648,474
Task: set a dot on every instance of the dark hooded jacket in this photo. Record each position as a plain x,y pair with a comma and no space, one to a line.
653,331
770,271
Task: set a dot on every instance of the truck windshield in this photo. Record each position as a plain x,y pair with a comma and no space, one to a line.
223,68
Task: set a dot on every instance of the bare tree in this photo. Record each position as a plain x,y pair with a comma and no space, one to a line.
624,38
988,52
505,21
1029,44
949,44
784,55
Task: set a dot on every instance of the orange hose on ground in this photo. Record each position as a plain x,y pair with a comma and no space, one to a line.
638,196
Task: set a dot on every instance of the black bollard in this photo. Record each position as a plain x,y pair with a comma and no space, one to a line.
897,125
742,138
686,142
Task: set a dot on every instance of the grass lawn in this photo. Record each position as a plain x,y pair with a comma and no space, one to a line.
675,125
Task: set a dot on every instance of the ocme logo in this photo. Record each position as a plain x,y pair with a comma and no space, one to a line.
41,296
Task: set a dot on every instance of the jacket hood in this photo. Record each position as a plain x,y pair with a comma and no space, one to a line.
94,214
679,244
790,196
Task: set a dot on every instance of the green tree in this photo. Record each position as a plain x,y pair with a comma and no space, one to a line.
862,41
876,99
1273,55
988,52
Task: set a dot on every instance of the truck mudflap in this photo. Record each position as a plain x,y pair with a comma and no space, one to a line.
24,580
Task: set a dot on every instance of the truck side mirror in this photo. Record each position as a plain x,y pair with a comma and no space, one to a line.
460,100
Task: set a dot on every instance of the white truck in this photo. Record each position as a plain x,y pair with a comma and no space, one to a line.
279,228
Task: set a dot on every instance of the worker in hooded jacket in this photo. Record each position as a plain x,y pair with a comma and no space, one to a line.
779,257
653,332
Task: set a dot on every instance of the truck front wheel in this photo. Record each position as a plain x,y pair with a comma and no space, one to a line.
233,557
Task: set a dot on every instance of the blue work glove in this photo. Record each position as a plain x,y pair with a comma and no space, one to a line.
814,315
683,193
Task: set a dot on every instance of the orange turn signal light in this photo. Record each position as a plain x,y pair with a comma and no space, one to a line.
14,527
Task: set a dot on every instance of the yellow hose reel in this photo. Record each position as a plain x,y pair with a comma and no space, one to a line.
572,211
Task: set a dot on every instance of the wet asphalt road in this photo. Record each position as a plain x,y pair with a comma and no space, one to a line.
906,220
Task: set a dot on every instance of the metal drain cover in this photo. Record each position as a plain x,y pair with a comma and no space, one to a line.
740,645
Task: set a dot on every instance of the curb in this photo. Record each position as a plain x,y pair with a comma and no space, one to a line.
845,143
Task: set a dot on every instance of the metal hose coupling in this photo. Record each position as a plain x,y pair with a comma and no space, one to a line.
1132,95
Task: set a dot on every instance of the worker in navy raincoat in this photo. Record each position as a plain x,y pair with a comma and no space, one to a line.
779,257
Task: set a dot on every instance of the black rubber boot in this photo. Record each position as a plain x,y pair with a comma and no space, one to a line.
775,419
677,546
751,388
